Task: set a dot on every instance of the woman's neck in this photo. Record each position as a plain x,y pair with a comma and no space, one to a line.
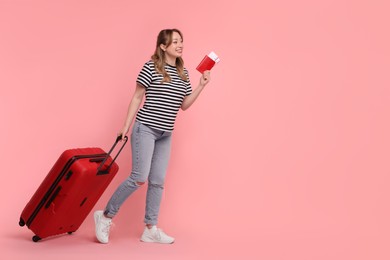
170,60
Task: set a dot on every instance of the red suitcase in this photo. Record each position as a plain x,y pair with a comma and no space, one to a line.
69,191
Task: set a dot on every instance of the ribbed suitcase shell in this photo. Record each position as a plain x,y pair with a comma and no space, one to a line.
68,193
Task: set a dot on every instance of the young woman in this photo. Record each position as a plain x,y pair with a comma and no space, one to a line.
166,85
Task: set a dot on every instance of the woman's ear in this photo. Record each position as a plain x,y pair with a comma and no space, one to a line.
163,47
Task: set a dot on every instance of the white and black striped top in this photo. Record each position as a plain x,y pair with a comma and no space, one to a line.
163,99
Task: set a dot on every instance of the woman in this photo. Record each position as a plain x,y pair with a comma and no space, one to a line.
165,83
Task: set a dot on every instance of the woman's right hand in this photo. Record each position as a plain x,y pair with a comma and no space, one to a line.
123,132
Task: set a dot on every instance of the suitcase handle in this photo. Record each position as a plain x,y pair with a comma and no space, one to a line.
106,171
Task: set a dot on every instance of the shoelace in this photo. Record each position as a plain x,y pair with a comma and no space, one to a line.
160,233
106,228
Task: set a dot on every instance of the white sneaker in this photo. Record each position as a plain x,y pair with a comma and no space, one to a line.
102,226
156,235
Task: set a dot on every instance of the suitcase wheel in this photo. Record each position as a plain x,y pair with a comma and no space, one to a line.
70,233
21,222
36,238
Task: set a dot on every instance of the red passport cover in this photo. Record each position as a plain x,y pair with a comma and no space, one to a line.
205,64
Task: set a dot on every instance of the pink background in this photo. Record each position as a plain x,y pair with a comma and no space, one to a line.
285,155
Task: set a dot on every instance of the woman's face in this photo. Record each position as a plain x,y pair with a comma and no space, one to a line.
175,49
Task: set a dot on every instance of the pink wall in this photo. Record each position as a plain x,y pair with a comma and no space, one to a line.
284,155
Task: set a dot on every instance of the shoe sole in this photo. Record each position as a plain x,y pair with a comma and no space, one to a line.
146,240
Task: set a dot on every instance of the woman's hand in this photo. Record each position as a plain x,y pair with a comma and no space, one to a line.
205,78
123,132
190,99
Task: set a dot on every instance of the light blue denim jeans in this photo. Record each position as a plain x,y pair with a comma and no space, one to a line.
150,155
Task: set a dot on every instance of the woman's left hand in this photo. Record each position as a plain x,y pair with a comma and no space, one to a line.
205,79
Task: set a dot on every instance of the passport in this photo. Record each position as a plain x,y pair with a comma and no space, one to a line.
208,62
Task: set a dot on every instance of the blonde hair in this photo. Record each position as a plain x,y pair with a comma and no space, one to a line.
165,38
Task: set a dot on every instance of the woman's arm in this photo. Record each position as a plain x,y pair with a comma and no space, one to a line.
190,99
133,108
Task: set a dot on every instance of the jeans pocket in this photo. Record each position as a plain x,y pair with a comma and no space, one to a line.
135,129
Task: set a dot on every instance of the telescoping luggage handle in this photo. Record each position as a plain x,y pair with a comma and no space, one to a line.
105,171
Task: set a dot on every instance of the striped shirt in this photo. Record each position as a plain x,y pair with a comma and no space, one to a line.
163,99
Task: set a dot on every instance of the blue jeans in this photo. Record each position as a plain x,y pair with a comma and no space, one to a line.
150,155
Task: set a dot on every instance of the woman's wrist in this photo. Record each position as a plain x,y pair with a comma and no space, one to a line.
125,127
201,85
